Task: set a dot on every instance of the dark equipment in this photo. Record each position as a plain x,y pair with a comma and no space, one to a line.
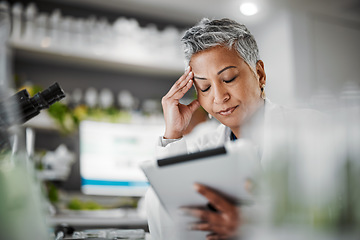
20,108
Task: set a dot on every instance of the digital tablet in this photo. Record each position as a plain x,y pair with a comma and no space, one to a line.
225,169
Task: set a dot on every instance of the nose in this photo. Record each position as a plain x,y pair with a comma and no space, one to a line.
221,94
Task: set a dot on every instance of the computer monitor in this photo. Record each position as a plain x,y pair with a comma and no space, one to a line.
110,154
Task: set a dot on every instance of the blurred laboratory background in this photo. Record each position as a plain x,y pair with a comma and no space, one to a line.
115,59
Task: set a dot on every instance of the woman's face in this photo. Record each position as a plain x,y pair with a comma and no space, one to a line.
226,86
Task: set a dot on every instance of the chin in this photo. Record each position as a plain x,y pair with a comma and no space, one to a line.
232,122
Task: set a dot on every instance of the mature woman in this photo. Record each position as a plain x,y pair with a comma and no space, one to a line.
229,77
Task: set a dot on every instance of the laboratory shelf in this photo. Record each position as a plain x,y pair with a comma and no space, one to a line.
97,60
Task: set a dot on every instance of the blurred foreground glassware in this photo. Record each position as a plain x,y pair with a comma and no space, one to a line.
310,188
30,16
16,32
21,203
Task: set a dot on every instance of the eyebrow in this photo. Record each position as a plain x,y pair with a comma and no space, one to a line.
226,68
222,70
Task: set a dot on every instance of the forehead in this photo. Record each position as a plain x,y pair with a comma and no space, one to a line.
215,58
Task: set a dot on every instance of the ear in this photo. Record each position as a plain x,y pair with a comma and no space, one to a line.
260,71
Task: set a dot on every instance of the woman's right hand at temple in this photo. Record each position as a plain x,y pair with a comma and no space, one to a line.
177,116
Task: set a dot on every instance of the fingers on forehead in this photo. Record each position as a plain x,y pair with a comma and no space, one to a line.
185,74
179,87
182,82
180,92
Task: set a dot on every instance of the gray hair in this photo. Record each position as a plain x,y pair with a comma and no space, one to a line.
223,32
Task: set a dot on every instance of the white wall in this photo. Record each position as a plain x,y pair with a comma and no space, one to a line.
326,54
336,53
306,54
275,42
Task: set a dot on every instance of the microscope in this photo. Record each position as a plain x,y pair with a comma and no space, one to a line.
20,108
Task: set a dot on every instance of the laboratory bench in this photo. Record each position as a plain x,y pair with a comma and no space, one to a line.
98,221
127,219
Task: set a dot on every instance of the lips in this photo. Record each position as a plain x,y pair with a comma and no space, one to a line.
228,111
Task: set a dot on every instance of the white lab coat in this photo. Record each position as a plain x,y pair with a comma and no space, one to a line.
260,130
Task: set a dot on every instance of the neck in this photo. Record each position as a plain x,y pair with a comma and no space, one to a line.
236,132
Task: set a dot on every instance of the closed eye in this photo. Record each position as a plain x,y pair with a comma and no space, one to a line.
206,89
229,81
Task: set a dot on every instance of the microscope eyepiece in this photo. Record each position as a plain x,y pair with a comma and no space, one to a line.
47,97
20,108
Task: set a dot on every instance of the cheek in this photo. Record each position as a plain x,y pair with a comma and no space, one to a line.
247,92
255,93
206,103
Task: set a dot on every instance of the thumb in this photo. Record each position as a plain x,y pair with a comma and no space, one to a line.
194,105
